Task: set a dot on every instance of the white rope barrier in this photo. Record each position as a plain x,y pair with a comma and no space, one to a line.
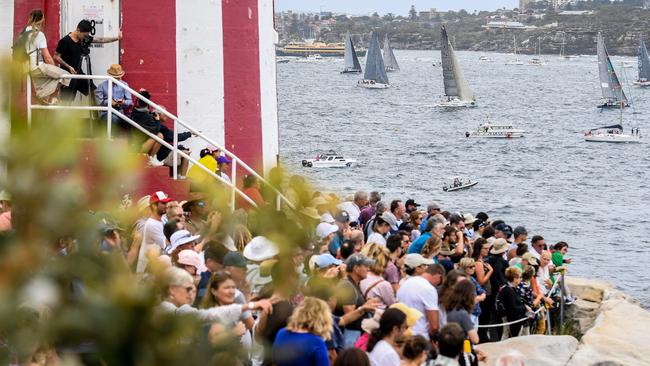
524,318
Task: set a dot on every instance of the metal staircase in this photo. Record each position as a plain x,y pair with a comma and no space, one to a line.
110,111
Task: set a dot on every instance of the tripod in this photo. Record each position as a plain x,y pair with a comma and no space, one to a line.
90,87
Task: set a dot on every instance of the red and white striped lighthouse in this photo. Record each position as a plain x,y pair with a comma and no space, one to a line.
210,62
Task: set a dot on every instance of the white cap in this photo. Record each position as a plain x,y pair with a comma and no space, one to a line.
324,229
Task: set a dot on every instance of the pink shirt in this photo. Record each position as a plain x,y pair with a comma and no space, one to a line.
381,289
5,221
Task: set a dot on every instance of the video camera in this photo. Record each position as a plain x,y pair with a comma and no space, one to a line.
85,45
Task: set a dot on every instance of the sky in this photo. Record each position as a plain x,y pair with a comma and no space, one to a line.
399,7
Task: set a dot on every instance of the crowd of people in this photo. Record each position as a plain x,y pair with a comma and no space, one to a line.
375,284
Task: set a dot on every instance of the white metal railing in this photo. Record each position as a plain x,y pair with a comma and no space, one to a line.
174,147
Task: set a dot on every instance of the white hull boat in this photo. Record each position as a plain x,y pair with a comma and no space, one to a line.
352,65
456,103
612,137
642,83
371,84
489,130
328,160
515,62
458,184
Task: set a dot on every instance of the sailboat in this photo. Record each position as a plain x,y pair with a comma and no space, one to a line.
352,65
457,90
537,61
516,61
389,57
612,133
644,66
375,75
563,56
613,94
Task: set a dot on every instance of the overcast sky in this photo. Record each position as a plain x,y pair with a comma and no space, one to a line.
400,7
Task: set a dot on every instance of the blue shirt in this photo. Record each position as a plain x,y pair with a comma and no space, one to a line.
101,95
418,244
297,349
479,291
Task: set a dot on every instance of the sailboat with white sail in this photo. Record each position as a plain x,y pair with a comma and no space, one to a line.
352,65
537,61
375,75
516,61
457,91
611,88
390,62
644,66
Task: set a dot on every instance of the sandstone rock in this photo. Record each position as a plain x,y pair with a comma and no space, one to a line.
583,313
588,289
539,350
619,334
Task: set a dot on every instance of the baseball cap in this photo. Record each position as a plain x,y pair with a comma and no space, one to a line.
327,217
414,260
324,229
159,196
390,219
223,160
520,230
504,228
325,260
189,257
342,216
212,148
482,216
411,202
234,259
358,260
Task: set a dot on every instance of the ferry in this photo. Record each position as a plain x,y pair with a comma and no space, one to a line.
319,48
489,130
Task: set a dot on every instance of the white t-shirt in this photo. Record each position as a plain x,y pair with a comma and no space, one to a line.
418,293
37,44
152,238
384,355
376,237
543,274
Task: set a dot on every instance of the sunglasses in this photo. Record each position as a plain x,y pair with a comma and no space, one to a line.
200,204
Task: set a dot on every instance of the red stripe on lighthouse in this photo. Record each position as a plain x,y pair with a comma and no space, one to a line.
243,122
52,11
149,44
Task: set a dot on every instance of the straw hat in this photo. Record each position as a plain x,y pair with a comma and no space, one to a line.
115,70
499,246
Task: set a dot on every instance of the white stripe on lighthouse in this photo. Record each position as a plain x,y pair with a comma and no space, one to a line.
268,84
6,26
199,68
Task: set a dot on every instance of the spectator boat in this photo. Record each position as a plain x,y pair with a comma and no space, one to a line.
375,75
458,93
330,159
457,183
489,130
612,133
516,61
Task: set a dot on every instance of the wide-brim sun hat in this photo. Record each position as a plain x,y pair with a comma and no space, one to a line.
412,314
260,249
469,218
181,237
310,212
499,246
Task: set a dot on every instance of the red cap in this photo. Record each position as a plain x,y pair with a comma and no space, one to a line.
159,196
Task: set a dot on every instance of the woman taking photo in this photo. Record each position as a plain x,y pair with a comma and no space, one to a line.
302,342
382,346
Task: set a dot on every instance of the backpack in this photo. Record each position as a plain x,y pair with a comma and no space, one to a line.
498,303
19,49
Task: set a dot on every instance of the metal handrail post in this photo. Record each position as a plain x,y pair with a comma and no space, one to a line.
109,109
278,202
233,178
29,101
562,299
175,152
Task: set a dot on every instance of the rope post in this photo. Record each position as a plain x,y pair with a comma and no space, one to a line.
109,109
548,319
175,152
29,101
233,178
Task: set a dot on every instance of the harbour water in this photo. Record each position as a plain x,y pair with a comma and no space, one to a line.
594,196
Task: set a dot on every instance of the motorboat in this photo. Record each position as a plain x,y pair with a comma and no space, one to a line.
282,60
484,58
613,134
457,183
315,57
330,159
489,130
455,102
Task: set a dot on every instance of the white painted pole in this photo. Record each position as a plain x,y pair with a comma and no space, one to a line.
109,109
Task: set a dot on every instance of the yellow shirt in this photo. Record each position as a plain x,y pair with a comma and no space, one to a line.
198,175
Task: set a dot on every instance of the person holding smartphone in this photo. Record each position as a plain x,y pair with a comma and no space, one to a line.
121,98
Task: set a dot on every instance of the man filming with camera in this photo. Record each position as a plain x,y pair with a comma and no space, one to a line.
69,54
